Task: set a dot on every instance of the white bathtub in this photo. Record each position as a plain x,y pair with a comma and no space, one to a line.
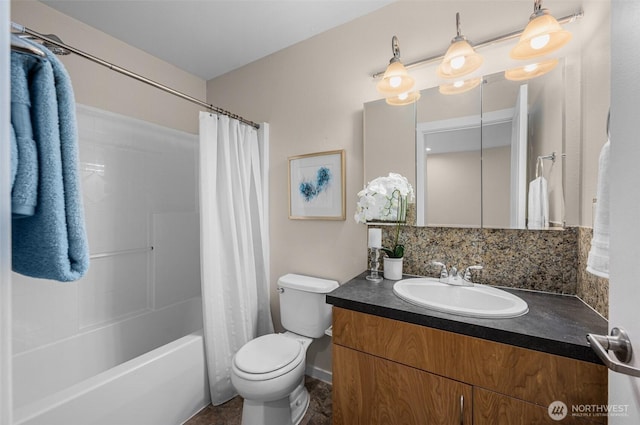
164,386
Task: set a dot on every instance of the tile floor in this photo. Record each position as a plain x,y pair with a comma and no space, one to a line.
230,413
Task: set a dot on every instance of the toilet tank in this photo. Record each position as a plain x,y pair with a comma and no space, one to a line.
303,307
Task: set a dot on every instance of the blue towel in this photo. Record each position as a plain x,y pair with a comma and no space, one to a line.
52,244
24,159
14,156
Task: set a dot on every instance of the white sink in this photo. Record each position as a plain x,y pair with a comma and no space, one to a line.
472,301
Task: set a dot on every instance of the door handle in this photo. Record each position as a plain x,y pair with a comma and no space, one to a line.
618,343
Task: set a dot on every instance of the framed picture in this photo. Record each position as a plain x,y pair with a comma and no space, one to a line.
317,186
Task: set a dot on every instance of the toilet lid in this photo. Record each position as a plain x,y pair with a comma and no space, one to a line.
267,353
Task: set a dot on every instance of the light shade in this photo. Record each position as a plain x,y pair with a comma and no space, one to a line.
403,99
460,86
530,71
396,80
542,35
460,59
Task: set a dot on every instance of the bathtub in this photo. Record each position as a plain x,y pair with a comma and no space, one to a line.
166,385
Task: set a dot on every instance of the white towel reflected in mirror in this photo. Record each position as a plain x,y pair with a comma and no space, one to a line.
538,205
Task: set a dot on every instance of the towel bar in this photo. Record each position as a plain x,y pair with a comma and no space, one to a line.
121,252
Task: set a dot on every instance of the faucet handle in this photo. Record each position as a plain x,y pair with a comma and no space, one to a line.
467,272
443,269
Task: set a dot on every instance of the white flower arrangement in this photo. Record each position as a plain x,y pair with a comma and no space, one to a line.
384,199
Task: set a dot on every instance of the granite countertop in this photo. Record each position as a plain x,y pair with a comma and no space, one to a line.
555,324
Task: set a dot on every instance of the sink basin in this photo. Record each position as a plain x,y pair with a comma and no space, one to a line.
471,301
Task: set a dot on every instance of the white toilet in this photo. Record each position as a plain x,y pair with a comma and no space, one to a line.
268,372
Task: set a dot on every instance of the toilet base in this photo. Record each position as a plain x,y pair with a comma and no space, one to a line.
286,411
299,402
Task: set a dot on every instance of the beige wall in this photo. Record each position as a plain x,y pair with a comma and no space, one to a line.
100,87
454,177
390,137
312,95
496,182
453,189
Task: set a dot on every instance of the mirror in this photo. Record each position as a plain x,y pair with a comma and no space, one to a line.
472,156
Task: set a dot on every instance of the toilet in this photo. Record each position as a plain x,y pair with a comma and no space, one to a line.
268,371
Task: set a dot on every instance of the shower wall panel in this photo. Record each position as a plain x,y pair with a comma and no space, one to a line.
140,188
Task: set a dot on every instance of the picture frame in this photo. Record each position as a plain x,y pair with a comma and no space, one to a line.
317,186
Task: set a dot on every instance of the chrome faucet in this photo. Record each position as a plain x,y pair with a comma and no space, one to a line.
467,273
443,271
452,277
453,273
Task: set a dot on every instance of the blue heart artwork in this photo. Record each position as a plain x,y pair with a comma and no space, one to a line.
309,190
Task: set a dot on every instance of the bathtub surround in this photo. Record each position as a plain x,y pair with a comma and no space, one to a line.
550,260
234,243
133,299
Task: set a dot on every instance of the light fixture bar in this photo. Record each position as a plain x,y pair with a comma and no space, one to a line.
490,42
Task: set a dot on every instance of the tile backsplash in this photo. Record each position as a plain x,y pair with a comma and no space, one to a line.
550,260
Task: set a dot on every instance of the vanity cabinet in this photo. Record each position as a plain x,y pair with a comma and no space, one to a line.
391,372
373,390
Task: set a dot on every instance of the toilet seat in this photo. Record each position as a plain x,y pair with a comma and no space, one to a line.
268,357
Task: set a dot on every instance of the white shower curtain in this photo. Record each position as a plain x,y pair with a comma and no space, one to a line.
234,243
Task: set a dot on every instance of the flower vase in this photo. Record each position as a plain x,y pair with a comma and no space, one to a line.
392,268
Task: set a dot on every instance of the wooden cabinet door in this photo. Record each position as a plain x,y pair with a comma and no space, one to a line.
490,408
369,390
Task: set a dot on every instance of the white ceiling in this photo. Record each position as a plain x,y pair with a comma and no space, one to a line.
211,37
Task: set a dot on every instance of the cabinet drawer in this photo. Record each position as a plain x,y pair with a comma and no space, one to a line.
368,390
525,374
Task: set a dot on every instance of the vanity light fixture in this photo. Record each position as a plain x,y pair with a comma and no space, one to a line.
459,86
403,99
396,80
532,70
543,34
460,59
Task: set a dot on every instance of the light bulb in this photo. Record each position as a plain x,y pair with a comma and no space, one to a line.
530,68
403,96
395,81
458,84
458,62
540,41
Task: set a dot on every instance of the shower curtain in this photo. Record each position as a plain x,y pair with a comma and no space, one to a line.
234,243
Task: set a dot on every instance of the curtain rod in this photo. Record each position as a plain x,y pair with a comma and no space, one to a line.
505,37
116,68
